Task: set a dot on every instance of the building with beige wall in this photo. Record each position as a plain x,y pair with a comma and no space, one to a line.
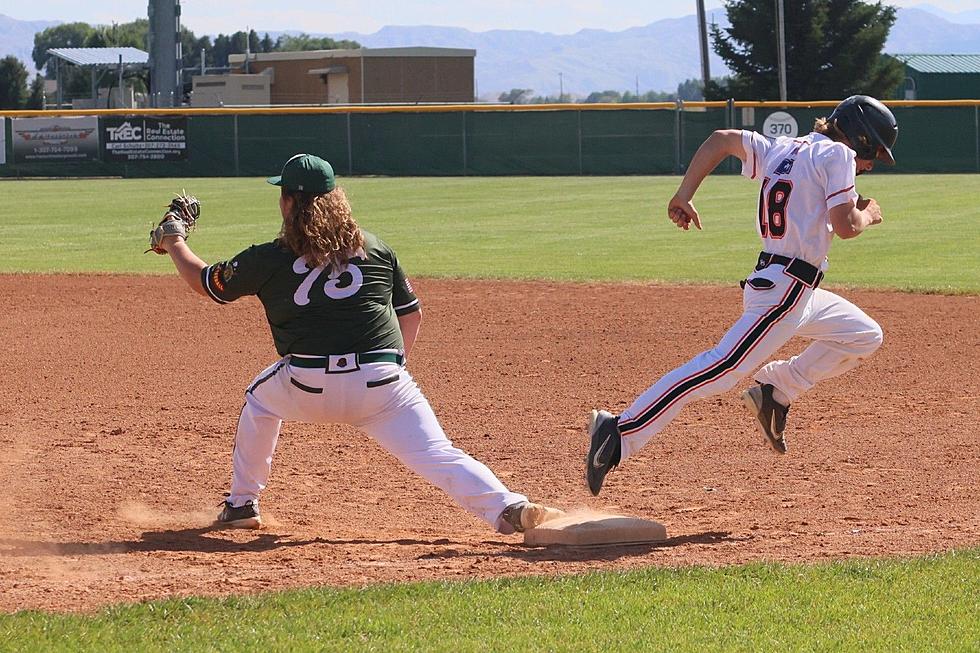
365,76
231,90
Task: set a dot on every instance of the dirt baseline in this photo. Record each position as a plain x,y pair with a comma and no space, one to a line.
121,395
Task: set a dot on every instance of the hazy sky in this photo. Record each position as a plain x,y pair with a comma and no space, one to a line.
367,16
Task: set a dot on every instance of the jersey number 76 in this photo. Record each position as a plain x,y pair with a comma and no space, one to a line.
772,208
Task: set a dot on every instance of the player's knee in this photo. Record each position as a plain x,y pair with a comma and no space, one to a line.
872,339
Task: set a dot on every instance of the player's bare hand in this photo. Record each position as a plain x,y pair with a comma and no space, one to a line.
871,207
682,213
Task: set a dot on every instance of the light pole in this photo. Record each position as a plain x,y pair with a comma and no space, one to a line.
781,49
561,88
703,33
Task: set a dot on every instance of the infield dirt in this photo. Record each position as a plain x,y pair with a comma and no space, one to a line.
120,397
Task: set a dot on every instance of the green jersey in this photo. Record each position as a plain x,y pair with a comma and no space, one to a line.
320,311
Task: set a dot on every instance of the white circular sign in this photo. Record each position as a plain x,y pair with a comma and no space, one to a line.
780,123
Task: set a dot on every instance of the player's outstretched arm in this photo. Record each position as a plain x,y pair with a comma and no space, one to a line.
188,264
722,143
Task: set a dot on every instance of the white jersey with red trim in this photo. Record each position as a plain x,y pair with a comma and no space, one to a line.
800,179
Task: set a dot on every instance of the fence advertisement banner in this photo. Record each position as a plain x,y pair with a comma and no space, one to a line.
136,138
3,140
55,139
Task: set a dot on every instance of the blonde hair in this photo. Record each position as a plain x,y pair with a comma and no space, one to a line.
321,228
825,127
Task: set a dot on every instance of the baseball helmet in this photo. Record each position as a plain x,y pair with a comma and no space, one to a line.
868,125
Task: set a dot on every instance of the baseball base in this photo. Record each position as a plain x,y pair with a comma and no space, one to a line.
595,529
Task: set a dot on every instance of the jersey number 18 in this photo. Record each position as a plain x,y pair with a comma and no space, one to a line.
772,208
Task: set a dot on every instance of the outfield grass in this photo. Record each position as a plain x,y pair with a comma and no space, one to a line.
927,604
562,228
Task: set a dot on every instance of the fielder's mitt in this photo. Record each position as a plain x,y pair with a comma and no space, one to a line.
179,220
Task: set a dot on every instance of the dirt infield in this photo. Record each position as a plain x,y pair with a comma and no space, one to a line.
121,394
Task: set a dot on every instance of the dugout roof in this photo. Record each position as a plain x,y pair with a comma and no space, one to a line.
101,56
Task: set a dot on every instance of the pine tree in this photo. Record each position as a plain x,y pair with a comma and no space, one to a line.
833,49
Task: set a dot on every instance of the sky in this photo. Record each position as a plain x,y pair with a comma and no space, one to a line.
367,16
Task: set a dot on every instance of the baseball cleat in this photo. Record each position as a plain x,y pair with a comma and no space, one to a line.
605,449
525,515
770,414
245,516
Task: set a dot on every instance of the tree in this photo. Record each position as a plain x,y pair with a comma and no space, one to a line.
690,90
305,42
35,97
69,35
267,44
833,49
516,96
597,97
13,83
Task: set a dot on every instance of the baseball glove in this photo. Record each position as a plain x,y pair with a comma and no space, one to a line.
179,220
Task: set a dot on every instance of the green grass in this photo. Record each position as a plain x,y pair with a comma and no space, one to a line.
927,604
561,228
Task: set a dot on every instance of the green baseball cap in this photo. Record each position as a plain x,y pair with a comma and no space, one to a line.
307,173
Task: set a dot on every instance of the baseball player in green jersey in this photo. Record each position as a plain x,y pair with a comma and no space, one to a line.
344,318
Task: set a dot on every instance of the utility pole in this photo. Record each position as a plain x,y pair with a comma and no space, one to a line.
561,88
781,48
703,31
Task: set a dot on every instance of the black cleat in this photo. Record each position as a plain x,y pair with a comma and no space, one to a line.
246,516
770,414
604,449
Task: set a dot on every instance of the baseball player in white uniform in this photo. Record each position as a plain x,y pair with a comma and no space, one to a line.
806,196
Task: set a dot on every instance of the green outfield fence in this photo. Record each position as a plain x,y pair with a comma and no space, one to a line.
443,140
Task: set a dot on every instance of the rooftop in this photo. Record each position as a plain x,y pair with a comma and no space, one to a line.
941,63
100,56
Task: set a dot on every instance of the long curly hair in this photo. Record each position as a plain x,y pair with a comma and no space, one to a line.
321,228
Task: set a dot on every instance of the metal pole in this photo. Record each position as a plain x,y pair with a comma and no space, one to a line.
465,163
678,104
350,147
120,81
235,122
703,30
730,124
781,49
57,76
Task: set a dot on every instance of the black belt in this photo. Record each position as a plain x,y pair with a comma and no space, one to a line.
797,268
370,357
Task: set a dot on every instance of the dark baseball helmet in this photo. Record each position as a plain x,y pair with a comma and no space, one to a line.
868,125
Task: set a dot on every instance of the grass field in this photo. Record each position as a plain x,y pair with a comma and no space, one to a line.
927,604
562,228
611,229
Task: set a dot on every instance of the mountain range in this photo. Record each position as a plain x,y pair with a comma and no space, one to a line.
657,56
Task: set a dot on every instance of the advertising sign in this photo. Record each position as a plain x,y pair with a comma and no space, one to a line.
54,139
135,138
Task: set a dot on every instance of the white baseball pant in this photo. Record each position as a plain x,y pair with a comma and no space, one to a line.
382,400
842,336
